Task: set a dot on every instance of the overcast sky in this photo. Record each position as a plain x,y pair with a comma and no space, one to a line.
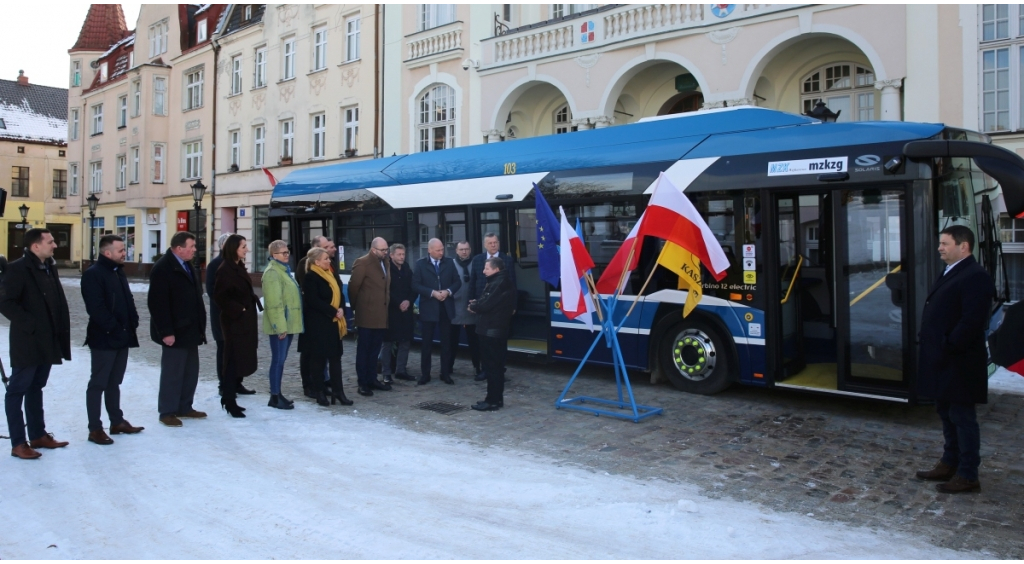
37,35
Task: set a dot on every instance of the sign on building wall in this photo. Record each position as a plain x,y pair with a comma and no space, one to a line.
183,220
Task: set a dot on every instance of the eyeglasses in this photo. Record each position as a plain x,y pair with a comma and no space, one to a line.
283,253
384,250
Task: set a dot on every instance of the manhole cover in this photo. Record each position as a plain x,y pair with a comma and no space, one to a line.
442,407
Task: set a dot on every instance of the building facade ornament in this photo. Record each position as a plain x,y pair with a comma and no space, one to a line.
582,124
586,62
317,83
258,99
286,92
601,122
493,135
722,37
350,76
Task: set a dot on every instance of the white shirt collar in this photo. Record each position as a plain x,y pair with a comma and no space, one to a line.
950,266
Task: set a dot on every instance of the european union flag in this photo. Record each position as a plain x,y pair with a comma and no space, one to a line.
548,237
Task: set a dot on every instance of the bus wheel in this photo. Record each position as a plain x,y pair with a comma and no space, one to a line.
694,358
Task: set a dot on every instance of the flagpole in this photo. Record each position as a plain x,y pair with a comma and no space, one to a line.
594,296
644,287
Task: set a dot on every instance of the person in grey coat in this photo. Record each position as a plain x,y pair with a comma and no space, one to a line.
463,317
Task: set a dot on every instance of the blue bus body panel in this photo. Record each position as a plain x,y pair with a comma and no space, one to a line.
335,178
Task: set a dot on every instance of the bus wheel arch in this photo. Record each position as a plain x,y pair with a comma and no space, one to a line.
695,355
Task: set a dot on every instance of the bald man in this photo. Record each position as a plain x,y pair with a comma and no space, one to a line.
369,291
435,279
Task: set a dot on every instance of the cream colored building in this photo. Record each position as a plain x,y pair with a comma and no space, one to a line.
145,107
295,89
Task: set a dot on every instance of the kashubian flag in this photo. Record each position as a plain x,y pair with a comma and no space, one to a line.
687,266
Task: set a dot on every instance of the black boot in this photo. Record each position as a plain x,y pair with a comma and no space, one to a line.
338,393
275,401
231,406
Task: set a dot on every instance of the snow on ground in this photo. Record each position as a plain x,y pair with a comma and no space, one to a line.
76,282
1006,382
324,483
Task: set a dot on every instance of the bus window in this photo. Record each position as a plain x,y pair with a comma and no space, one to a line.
955,200
357,231
605,226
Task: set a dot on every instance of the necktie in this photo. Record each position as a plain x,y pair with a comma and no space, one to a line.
188,270
437,270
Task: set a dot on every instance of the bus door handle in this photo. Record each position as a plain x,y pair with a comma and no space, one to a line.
896,281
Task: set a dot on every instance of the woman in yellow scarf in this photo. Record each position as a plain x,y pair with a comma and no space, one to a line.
324,320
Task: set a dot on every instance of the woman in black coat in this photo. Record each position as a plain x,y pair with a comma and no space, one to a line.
238,303
323,318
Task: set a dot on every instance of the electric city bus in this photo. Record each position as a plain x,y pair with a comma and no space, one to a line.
830,229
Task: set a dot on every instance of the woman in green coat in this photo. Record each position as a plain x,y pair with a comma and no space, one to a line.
282,316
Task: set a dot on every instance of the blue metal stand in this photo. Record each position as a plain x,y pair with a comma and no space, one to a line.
636,412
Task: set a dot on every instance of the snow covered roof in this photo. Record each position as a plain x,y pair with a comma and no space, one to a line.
203,8
127,41
31,112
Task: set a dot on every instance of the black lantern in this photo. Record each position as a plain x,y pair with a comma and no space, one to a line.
198,191
93,201
821,112
24,223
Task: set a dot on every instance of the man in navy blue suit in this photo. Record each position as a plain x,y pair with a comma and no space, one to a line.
436,279
953,365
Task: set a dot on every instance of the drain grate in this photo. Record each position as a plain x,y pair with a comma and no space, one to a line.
442,407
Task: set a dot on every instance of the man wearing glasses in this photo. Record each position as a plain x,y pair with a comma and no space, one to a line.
369,290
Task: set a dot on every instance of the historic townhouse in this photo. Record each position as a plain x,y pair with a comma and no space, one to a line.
146,118
296,88
33,142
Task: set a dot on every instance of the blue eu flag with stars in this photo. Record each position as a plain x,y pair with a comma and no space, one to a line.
548,237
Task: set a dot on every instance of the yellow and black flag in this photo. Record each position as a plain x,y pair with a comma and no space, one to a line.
687,266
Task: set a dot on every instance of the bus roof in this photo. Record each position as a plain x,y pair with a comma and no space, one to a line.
732,131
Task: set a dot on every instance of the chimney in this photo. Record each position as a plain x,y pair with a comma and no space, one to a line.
22,79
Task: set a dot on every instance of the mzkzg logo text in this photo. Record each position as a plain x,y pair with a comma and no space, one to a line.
807,166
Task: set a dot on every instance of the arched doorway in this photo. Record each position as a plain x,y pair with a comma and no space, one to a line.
661,88
542,109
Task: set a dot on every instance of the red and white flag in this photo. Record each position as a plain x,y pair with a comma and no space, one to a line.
574,261
270,177
608,283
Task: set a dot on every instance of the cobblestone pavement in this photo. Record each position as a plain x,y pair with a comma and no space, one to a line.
839,459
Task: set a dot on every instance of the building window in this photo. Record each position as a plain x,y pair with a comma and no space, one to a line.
98,224
248,13
995,21
193,165
563,120
159,150
194,90
60,184
320,48
126,230
287,139
96,176
73,129
995,90
319,135
76,73
236,148
288,59
201,31
97,119
352,39
136,98
433,15
258,145
73,167
19,181
136,155
122,111
260,68
436,123
1011,230
261,236
846,88
236,74
121,180
160,96
562,10
158,39
351,130
103,72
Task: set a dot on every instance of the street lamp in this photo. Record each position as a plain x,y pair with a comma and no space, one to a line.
822,113
198,190
93,201
24,217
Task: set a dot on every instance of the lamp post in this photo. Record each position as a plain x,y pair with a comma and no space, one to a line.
23,210
93,201
198,190
822,112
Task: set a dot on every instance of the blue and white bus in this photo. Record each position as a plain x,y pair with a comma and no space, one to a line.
830,228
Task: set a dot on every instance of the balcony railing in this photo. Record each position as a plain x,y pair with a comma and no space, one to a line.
431,43
625,22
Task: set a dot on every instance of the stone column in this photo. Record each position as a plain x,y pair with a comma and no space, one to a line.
890,99
740,102
493,135
601,122
582,124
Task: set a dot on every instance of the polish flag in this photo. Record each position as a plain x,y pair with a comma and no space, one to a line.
608,283
575,261
270,177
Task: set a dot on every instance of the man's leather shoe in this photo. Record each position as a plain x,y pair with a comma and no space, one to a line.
389,380
170,421
959,484
447,379
125,428
378,385
364,391
243,391
423,380
24,452
941,473
404,376
100,438
47,441
193,415
484,406
480,377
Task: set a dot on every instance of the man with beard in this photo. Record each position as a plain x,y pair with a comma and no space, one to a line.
400,319
463,317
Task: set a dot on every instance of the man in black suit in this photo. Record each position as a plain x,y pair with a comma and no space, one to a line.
435,279
477,280
178,324
953,359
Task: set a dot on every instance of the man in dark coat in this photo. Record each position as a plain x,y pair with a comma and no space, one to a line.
494,310
113,321
218,336
32,298
477,279
369,293
178,325
436,280
400,316
953,365
463,317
